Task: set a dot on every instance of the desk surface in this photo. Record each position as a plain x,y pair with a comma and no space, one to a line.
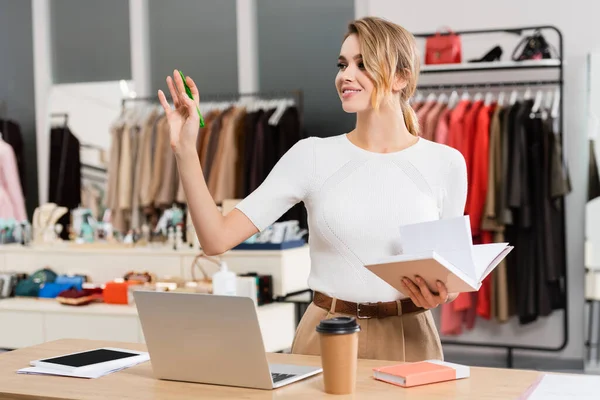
138,382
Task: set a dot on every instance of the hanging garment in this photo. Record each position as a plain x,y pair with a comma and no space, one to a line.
263,146
11,134
251,122
148,153
467,144
456,133
12,200
431,121
222,180
213,144
442,128
484,294
479,167
64,183
554,215
141,167
423,112
593,187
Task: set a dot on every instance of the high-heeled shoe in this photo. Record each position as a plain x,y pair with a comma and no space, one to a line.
492,55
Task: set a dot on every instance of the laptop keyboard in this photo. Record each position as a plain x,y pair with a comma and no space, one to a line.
280,377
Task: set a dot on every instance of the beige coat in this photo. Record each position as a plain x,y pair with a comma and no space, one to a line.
222,183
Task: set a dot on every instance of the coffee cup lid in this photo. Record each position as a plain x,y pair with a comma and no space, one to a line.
338,325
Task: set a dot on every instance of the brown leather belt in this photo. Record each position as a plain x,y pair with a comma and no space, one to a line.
366,310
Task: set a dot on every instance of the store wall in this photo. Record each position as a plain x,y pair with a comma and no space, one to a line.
198,37
90,40
16,82
581,30
298,43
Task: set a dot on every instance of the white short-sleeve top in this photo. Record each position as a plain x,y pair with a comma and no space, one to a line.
356,201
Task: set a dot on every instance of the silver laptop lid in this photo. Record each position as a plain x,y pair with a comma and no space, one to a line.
204,338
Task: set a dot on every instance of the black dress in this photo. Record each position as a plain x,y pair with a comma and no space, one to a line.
64,186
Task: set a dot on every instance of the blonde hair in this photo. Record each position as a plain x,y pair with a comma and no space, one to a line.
389,50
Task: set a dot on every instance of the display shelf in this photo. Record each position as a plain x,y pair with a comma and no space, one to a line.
289,268
31,321
492,65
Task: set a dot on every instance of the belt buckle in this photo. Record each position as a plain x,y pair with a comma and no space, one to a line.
358,313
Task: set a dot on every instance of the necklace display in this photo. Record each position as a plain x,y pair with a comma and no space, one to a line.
45,218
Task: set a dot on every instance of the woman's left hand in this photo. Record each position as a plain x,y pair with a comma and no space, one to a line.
420,294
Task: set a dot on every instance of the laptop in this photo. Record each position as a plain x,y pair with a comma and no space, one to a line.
205,338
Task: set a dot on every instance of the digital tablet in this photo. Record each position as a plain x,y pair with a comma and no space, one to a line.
105,358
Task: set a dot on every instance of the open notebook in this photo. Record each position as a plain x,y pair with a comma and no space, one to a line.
441,250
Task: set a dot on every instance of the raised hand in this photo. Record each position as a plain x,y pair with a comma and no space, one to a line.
421,295
183,119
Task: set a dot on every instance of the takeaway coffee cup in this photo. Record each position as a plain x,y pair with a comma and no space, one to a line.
339,352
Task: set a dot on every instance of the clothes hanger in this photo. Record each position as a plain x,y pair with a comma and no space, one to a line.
454,97
442,98
513,97
537,103
276,116
419,97
548,100
527,94
555,104
501,96
465,95
431,98
489,98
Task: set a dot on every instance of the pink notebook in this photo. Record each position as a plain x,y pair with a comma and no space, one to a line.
421,373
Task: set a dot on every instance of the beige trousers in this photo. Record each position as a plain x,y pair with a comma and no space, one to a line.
409,337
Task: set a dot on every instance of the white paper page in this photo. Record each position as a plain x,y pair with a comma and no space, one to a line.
43,371
561,387
450,238
484,255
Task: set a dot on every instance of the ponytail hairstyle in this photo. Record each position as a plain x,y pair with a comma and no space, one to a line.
389,51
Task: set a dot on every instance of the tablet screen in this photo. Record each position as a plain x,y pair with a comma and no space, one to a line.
89,358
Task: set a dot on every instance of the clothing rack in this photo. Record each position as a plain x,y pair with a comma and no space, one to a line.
486,67
297,94
65,117
504,84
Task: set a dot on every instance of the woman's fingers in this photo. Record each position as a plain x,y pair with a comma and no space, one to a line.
179,86
193,89
173,92
163,102
443,291
190,106
415,293
430,299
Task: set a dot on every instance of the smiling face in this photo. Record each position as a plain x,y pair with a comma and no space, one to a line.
352,82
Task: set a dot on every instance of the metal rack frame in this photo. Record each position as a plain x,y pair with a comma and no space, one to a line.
510,348
297,93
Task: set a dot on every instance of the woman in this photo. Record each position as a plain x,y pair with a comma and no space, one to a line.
358,188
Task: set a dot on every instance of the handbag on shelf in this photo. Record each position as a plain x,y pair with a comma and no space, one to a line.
204,284
443,48
533,47
30,287
139,277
